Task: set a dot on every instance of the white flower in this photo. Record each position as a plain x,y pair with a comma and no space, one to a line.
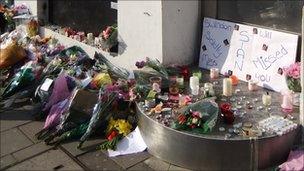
194,120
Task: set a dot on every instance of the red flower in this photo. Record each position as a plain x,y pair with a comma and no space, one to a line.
182,119
112,135
192,126
225,108
185,71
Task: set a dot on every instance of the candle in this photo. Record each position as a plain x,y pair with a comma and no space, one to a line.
90,38
234,80
214,73
195,90
180,81
209,86
194,82
266,99
97,41
252,85
155,79
227,87
287,101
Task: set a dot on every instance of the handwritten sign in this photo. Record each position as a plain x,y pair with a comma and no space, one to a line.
247,50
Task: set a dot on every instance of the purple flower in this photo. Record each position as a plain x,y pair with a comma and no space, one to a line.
140,64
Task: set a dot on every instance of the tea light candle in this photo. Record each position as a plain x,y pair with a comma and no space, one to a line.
227,87
155,79
287,101
266,99
77,37
234,80
252,85
214,73
194,82
209,86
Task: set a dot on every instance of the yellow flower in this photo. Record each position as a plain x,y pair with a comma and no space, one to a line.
111,124
102,79
123,127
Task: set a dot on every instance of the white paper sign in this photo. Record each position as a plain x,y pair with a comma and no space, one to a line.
132,143
247,50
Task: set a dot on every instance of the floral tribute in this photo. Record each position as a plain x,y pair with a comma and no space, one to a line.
293,74
195,118
116,130
80,97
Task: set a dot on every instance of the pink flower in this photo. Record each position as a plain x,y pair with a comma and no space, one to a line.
196,114
106,33
293,70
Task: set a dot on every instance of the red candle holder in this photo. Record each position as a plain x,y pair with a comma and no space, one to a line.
227,113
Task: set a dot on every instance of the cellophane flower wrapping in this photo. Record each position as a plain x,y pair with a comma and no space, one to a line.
23,78
199,117
60,91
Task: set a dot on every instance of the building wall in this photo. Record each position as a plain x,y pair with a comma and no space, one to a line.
140,30
181,30
32,4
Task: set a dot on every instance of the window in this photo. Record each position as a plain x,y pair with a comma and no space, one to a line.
278,14
82,15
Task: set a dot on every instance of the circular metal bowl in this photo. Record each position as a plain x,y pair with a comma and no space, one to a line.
209,152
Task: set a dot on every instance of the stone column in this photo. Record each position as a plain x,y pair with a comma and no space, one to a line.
166,30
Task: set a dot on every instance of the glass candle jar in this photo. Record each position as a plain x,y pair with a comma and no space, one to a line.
157,80
252,85
214,73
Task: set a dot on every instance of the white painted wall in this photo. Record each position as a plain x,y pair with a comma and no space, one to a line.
166,30
181,32
140,29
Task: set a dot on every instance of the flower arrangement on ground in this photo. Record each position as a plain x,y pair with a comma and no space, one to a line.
116,130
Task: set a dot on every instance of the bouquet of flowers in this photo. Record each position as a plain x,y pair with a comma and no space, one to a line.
199,117
32,28
109,37
116,130
293,75
154,64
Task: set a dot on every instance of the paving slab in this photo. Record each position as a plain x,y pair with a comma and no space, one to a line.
50,160
127,161
13,118
157,164
31,151
141,166
30,129
90,145
98,161
177,168
6,161
13,140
